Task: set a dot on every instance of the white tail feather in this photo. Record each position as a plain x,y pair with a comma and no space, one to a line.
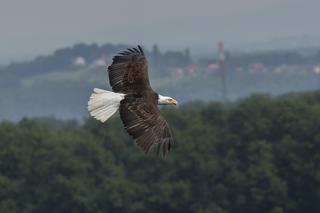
103,104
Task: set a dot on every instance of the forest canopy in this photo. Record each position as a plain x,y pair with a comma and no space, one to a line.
260,154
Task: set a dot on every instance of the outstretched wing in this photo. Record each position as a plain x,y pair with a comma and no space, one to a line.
129,71
144,122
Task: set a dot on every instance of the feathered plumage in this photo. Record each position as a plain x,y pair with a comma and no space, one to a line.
136,101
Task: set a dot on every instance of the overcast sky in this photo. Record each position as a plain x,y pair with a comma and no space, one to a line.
33,27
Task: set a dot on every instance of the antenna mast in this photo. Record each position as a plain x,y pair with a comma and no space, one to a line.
222,68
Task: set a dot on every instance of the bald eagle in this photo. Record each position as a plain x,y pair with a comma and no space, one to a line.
136,101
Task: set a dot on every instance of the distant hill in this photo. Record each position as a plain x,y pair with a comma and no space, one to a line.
60,84
303,44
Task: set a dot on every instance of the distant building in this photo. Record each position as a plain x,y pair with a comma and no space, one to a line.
79,61
316,69
176,72
99,63
213,66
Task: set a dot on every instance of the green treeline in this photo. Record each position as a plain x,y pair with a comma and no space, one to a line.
261,154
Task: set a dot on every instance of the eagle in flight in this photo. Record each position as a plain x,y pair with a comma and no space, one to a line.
136,101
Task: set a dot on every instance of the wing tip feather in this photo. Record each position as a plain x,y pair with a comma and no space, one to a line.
141,50
130,51
161,149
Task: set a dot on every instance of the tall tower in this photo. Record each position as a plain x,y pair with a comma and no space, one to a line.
222,68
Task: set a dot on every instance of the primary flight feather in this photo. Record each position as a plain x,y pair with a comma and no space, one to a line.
136,101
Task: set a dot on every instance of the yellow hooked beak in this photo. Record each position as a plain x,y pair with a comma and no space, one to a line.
172,102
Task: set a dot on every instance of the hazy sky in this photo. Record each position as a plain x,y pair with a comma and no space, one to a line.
32,27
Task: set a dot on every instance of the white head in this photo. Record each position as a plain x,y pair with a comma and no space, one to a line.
165,100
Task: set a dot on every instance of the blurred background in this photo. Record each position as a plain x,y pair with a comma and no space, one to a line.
246,73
